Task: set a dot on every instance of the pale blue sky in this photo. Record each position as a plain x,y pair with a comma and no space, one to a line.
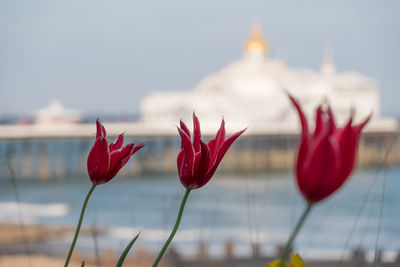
105,56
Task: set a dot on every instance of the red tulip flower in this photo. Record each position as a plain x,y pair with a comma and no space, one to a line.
104,161
198,161
325,158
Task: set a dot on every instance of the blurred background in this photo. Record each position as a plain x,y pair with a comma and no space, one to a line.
140,67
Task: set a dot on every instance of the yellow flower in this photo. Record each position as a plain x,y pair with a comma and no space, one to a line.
296,261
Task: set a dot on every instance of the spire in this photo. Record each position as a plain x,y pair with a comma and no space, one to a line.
328,63
328,66
256,44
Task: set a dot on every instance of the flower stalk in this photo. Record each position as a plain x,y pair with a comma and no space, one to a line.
171,236
78,226
288,248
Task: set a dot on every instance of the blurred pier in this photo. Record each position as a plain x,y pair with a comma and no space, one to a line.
61,151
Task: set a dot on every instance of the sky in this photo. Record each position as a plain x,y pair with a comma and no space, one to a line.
105,56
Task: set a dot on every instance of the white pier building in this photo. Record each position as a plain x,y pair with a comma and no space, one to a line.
250,92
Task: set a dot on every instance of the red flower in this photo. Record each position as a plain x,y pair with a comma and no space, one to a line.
326,158
104,161
198,161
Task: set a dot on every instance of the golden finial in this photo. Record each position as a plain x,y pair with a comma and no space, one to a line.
256,43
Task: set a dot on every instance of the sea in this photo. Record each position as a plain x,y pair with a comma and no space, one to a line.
244,209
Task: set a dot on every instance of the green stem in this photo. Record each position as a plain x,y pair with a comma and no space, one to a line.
78,227
286,251
171,236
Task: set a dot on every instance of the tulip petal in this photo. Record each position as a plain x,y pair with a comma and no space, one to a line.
304,139
98,161
321,168
302,153
212,148
101,131
119,158
313,145
320,123
186,158
359,127
186,180
204,164
215,143
317,164
348,142
132,151
332,119
220,155
211,145
197,159
196,133
138,147
117,144
201,166
303,119
220,138
185,128
331,181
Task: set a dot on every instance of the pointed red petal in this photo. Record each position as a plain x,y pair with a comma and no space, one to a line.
302,153
347,139
348,125
119,158
362,125
211,145
101,131
196,133
185,128
314,145
303,119
179,162
197,159
133,151
321,170
348,142
203,166
332,119
301,158
117,144
220,138
215,143
348,151
320,123
187,161
138,147
98,161
220,154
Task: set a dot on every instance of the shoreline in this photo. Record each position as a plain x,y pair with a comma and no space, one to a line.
16,245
